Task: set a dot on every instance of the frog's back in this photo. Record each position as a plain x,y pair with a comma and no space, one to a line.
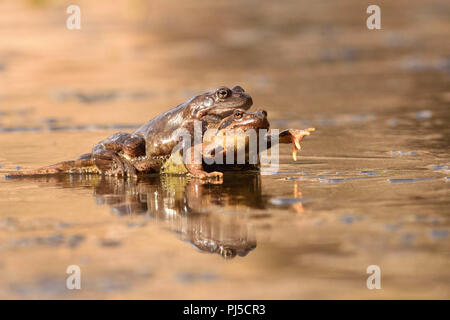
158,132
164,123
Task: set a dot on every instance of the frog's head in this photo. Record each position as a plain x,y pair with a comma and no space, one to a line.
215,105
240,119
235,132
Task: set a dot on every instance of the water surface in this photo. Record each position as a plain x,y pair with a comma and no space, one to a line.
371,185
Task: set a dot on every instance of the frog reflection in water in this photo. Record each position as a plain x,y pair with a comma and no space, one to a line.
211,217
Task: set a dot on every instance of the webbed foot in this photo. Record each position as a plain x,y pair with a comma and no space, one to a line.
294,136
111,164
198,174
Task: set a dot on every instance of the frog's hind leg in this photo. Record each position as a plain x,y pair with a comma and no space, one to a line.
117,149
74,166
110,163
106,162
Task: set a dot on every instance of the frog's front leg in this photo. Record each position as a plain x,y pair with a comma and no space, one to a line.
196,169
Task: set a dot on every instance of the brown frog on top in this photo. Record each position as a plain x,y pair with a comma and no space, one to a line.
146,149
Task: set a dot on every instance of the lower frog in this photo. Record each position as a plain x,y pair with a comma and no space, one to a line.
221,151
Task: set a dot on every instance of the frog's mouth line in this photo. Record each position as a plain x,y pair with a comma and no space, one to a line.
223,112
231,107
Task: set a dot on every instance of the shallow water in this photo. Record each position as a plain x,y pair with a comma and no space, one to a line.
371,186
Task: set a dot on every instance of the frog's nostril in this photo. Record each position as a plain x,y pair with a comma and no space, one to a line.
238,89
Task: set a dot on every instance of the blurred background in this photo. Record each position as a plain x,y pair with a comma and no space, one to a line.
371,186
131,60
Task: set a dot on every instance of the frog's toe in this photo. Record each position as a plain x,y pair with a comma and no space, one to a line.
112,164
115,171
199,174
130,170
202,176
216,174
123,168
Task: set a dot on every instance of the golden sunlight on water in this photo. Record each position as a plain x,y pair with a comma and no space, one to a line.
371,186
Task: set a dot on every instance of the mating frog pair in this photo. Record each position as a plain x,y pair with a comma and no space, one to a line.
149,148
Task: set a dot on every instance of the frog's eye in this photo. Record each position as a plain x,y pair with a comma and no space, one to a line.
238,114
223,93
